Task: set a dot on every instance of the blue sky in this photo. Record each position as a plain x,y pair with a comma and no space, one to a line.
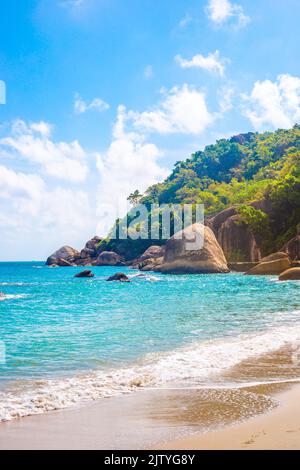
103,96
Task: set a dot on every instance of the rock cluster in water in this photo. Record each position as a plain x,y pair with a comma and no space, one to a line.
91,255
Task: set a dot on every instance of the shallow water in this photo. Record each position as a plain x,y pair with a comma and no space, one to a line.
70,340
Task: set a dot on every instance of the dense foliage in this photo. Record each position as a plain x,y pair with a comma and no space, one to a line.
235,172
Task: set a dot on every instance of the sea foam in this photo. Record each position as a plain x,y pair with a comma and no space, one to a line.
12,296
198,363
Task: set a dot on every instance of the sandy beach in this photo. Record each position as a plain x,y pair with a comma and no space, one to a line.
155,420
276,430
261,416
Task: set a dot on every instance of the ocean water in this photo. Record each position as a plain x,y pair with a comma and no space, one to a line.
69,341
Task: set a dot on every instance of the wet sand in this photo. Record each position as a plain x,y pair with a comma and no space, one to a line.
137,421
277,430
183,417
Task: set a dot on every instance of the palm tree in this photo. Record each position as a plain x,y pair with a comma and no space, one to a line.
135,197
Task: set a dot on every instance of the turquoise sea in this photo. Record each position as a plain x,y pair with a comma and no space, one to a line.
69,341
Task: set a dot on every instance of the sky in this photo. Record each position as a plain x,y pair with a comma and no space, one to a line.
99,98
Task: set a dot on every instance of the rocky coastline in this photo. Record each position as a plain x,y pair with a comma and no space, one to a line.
229,245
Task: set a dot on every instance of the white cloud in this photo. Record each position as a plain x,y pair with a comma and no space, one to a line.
41,216
66,161
212,63
81,106
22,189
222,11
225,99
36,220
183,110
275,104
42,128
148,72
128,164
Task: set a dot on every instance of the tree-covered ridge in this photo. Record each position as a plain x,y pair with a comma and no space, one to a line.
237,172
231,171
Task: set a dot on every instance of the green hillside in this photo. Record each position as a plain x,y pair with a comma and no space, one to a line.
235,172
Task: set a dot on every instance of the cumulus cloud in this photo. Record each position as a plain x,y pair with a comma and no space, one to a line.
223,11
22,189
48,213
66,161
275,104
183,110
42,128
212,63
128,164
225,99
81,106
35,220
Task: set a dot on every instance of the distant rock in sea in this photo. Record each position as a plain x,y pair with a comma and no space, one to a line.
65,256
121,277
86,273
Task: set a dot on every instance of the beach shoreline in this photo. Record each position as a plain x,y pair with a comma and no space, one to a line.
278,429
253,411
156,419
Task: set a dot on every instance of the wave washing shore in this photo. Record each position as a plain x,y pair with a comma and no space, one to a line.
198,366
70,342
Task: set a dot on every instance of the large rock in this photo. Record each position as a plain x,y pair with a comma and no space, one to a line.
151,264
292,248
292,274
179,258
86,262
241,267
109,258
239,244
153,251
63,263
90,250
275,256
152,257
66,253
274,267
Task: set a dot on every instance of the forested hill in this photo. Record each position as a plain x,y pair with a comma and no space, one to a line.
244,168
236,172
